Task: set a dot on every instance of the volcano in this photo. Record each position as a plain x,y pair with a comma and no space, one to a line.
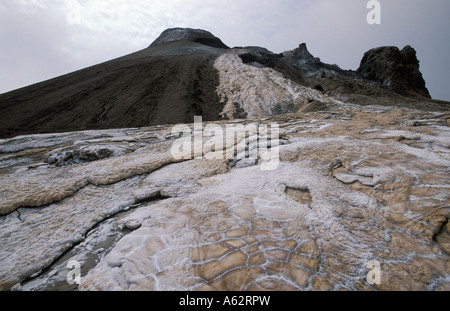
179,76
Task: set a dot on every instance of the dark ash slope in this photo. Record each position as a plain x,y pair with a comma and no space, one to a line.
163,84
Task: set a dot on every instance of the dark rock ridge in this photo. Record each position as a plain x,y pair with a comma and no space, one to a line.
386,74
302,54
175,79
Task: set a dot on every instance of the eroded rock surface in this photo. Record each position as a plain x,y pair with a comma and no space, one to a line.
354,184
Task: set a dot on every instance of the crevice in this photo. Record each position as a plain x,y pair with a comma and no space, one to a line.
442,229
334,165
301,195
125,231
19,215
157,196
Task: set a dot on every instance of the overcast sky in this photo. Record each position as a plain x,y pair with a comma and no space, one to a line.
42,39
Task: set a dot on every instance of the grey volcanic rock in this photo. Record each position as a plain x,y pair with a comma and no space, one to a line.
398,69
301,54
70,156
189,34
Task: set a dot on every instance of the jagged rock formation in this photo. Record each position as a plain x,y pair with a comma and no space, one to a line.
355,182
394,68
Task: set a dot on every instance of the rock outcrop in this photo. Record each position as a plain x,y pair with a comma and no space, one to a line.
397,69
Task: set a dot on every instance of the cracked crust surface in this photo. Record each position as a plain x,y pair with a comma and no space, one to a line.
353,185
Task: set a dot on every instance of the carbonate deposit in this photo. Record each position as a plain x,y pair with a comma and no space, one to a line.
359,198
353,185
251,91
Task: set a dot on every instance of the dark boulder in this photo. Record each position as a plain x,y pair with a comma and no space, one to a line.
394,68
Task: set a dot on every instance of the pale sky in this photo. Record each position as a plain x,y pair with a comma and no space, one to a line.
42,39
